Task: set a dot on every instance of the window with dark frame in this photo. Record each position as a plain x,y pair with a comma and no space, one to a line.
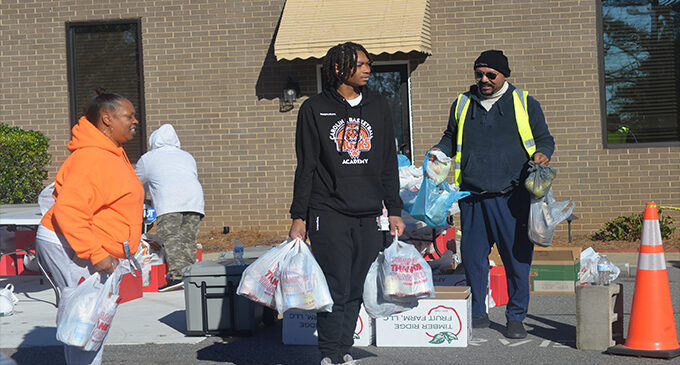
640,44
107,54
391,81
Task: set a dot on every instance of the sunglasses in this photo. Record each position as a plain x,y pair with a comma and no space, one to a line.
489,75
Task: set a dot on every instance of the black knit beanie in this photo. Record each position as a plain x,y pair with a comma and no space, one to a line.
494,59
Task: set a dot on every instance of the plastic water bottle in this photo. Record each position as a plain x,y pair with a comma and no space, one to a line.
603,269
238,252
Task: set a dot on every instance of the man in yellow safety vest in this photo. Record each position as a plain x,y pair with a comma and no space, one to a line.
496,130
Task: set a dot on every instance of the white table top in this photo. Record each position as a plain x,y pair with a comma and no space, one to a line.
20,214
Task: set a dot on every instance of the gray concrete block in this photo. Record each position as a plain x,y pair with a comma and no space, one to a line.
599,316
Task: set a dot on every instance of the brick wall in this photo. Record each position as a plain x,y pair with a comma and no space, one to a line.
209,69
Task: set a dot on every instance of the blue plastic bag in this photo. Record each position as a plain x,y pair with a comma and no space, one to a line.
433,201
403,160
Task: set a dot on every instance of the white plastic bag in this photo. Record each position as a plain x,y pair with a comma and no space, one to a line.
374,301
261,278
144,258
85,312
544,215
438,169
303,285
7,300
156,249
406,274
106,307
410,179
588,272
46,199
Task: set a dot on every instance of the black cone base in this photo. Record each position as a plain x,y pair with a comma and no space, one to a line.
627,351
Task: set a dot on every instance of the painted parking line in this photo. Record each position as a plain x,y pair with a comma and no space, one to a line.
504,342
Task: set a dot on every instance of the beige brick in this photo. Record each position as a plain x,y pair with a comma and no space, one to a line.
207,70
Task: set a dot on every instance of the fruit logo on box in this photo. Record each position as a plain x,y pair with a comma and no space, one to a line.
359,328
443,315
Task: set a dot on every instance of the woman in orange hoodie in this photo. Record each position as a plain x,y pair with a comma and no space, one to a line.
98,203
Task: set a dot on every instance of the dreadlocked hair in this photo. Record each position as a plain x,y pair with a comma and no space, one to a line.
103,101
344,56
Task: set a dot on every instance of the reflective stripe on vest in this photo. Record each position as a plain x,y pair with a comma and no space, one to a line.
519,98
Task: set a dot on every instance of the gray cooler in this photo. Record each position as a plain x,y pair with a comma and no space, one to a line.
212,305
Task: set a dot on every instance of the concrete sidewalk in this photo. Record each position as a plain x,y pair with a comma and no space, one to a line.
158,316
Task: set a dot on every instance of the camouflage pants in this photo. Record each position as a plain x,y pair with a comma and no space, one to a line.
178,232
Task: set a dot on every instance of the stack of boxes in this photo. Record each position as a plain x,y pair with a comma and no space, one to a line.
445,321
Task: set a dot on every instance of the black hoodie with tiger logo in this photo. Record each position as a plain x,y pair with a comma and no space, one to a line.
346,157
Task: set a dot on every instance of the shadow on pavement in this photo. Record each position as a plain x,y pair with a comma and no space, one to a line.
176,320
265,347
553,331
38,355
28,284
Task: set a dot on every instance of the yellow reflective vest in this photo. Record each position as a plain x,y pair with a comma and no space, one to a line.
519,98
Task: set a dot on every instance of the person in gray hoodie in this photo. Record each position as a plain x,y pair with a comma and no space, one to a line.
170,175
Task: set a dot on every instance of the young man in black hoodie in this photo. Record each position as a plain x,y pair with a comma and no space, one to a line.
346,171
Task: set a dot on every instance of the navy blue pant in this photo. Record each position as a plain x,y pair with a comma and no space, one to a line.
501,219
345,247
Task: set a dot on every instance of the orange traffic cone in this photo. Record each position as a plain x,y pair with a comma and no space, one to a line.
651,331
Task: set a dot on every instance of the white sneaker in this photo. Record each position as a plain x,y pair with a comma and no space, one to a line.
326,361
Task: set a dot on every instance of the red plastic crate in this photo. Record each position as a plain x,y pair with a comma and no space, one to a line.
8,265
199,252
23,240
130,287
498,285
157,278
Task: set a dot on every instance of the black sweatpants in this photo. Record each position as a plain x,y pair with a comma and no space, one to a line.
344,247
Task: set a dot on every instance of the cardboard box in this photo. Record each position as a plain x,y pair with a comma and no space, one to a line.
443,321
443,281
449,279
494,257
452,289
554,270
299,328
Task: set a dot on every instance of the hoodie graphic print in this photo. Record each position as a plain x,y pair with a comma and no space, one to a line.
346,155
353,137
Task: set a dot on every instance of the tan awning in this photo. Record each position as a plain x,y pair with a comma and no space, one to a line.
310,27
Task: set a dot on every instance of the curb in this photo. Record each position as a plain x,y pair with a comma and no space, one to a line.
635,250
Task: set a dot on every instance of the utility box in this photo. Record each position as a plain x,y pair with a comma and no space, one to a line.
212,305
